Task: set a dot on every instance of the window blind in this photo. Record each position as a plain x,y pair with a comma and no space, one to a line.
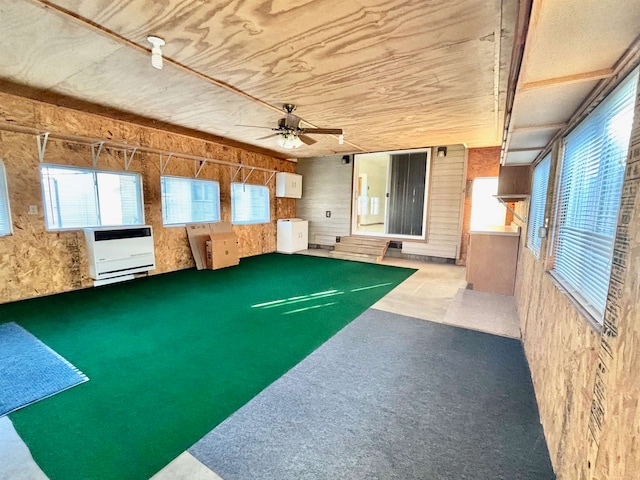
79,198
5,214
537,205
249,204
589,197
188,200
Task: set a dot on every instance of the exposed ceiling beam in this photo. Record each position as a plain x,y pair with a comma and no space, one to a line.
50,97
535,128
575,78
528,149
119,38
624,65
497,55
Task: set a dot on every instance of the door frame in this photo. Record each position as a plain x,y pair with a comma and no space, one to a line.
354,195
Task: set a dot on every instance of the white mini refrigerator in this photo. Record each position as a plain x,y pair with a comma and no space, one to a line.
292,235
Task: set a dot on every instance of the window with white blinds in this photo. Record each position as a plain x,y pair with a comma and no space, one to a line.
249,204
588,200
537,205
189,200
5,213
79,197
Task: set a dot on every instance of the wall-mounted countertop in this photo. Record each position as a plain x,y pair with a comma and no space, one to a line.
496,230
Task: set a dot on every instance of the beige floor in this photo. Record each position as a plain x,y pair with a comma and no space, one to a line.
427,293
485,312
16,462
435,292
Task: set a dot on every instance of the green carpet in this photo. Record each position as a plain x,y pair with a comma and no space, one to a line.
173,355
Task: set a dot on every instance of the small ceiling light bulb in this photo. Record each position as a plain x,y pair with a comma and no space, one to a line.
156,53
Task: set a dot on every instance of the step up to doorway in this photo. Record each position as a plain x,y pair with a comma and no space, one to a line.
360,249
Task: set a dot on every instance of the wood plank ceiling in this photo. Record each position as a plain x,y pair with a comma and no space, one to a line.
394,74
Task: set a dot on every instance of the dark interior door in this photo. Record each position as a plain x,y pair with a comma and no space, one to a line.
406,195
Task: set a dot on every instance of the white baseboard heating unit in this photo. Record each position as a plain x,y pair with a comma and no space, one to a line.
115,254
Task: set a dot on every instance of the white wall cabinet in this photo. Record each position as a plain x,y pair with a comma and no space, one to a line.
292,235
288,185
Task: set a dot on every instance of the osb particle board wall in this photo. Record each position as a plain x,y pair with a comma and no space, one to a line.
586,382
562,353
37,262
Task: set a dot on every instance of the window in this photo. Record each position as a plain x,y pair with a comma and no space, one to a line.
5,213
249,204
186,200
589,190
538,202
486,210
79,197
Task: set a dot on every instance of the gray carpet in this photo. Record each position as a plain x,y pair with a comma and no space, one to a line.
390,397
29,370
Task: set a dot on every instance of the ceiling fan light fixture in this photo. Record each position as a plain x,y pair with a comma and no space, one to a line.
290,141
156,52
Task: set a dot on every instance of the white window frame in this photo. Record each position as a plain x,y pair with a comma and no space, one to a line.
582,246
540,185
357,203
238,215
5,208
94,172
192,182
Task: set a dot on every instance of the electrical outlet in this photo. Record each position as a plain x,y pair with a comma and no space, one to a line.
328,213
33,209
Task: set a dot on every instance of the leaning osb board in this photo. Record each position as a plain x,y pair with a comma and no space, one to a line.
39,262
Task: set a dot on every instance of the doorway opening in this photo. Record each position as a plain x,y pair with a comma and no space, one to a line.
390,194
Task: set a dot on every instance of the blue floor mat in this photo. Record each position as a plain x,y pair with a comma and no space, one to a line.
29,370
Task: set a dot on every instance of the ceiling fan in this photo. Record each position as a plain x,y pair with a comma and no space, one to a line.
292,135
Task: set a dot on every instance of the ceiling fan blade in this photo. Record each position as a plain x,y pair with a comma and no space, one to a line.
268,136
307,140
323,131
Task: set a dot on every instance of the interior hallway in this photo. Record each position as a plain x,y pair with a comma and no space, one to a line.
435,292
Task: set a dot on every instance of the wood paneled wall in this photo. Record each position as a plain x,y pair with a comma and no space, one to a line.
39,262
326,186
586,381
444,208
